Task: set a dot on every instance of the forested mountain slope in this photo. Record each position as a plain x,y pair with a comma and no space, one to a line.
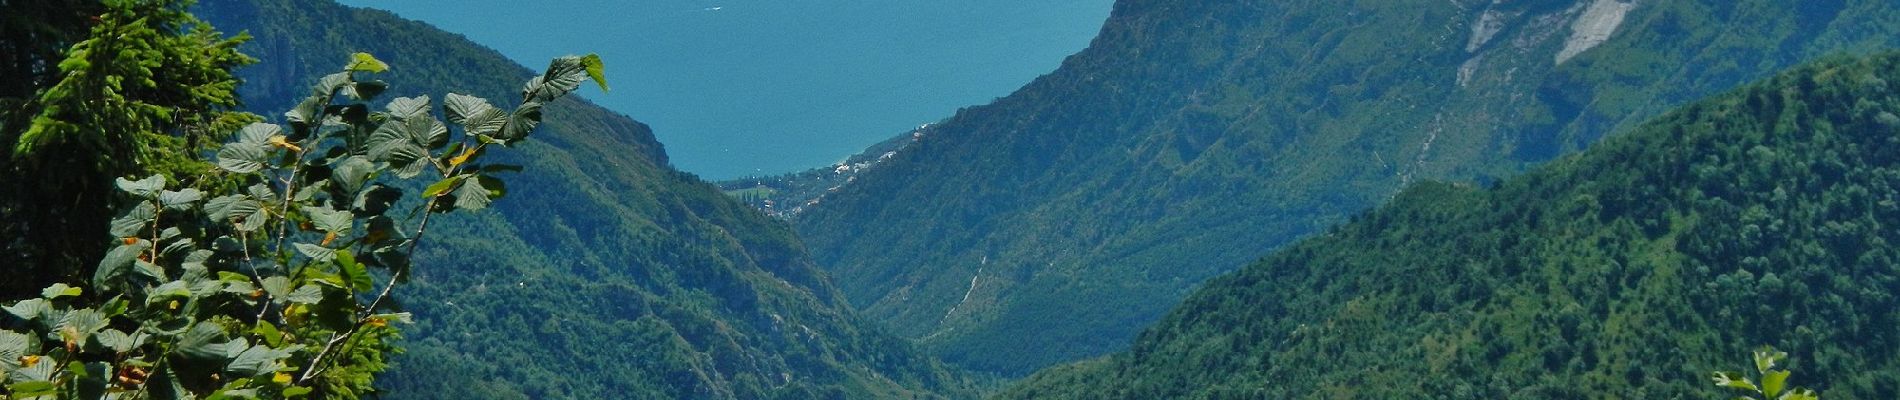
604,273
1765,216
1194,136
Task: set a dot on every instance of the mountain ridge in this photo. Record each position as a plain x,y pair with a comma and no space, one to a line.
1192,137
604,273
1630,270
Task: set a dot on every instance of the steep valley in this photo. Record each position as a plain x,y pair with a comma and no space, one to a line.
1194,136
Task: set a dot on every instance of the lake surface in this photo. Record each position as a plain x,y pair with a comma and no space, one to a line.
757,87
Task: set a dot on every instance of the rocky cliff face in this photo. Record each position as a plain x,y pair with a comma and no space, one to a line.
1193,136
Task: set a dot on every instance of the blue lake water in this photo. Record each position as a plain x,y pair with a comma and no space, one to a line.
758,87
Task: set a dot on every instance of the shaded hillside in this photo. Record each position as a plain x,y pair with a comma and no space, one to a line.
1193,136
1632,270
604,273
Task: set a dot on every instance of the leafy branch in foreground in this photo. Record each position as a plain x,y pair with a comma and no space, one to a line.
272,291
1773,381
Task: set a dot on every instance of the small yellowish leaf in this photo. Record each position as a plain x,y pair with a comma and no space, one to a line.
459,160
280,141
595,70
364,62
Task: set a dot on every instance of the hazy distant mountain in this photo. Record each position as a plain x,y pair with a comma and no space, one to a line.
1193,136
604,273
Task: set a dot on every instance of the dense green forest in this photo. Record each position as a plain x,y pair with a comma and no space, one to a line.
1764,216
604,273
1195,136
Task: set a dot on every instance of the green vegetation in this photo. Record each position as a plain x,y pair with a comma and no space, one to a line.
215,295
138,90
1195,136
1773,381
1765,215
605,274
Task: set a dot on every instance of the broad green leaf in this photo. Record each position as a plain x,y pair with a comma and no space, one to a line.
14,345
277,286
472,196
297,391
168,291
564,74
485,123
522,122
82,322
407,107
176,247
427,131
595,70
29,309
364,62
180,200
170,233
59,290
331,84
328,220
308,294
242,288
223,208
259,133
116,306
242,158
31,389
120,342
377,199
444,186
93,379
352,172
39,371
1734,380
366,90
133,222
148,269
163,385
310,191
392,143
1771,382
269,333
253,222
205,287
195,271
143,188
117,262
256,360
315,252
460,107
306,111
262,191
205,341
354,272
